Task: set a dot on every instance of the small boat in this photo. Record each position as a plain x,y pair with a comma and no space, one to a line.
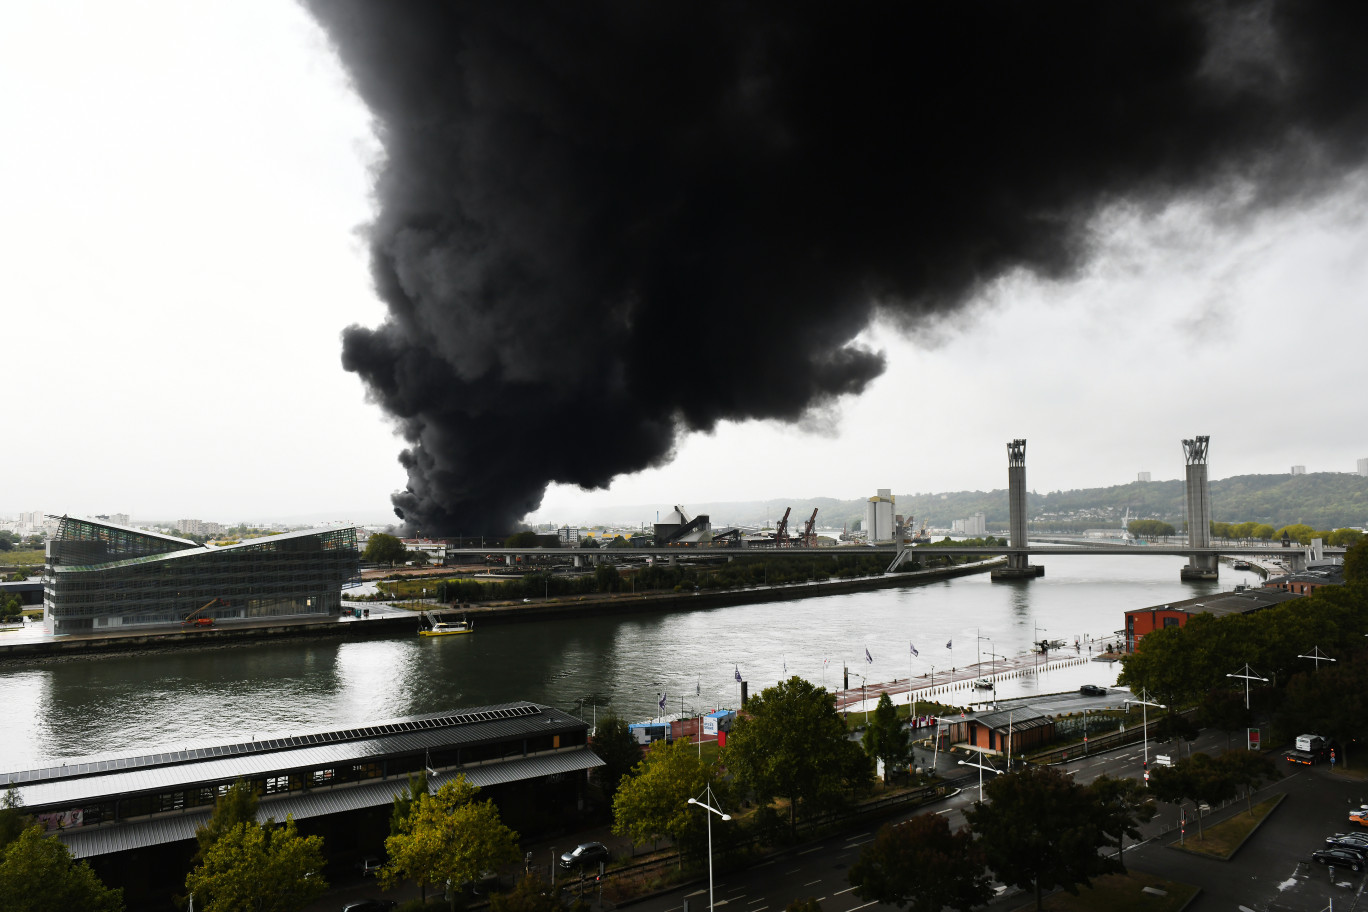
984,683
447,628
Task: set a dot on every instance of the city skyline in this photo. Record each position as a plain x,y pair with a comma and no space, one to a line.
186,254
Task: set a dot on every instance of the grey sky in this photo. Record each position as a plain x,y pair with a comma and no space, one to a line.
182,188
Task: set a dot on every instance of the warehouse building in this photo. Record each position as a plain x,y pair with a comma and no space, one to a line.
134,817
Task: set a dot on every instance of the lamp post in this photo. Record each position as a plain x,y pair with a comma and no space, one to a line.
1144,725
864,694
978,653
1037,649
712,810
1317,656
1248,676
981,768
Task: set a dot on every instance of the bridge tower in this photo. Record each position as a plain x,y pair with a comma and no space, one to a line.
1199,566
1017,567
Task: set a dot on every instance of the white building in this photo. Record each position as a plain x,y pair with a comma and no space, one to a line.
1363,467
878,524
436,551
1142,476
1299,470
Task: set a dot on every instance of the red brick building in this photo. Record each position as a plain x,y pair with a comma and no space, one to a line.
1141,621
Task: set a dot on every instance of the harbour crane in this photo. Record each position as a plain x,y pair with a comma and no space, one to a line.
781,530
809,537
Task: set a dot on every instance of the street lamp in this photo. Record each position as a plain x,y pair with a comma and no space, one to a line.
708,807
1037,649
1248,676
864,694
981,768
1144,725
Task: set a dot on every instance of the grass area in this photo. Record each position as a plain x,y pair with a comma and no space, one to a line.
1222,839
1121,893
33,557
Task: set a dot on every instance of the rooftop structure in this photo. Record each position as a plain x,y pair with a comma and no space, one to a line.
1242,600
114,804
102,576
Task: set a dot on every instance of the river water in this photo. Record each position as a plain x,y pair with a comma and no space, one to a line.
131,704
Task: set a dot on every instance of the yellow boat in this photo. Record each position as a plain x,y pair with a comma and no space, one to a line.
447,628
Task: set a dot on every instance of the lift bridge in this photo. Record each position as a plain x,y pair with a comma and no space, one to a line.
1202,555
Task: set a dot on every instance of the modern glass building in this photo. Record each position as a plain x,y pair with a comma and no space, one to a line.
102,576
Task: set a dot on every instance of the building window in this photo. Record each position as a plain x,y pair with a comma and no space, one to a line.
1171,622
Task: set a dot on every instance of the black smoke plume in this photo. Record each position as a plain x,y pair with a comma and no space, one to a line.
602,224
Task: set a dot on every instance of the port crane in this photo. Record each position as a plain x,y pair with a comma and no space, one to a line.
809,537
781,530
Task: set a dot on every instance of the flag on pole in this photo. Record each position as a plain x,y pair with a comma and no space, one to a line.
786,666
913,648
737,672
950,644
698,688
662,700
869,659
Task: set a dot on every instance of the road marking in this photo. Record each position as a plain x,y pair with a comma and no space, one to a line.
811,883
810,851
754,901
854,844
694,893
794,871
865,906
839,892
764,863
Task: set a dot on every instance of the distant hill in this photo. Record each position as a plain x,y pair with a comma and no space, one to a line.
1322,500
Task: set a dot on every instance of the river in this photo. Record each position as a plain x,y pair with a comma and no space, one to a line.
133,704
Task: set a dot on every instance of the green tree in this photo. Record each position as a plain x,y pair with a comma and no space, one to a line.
652,803
405,800
1243,531
383,549
1224,709
1123,805
921,863
1356,564
1344,538
886,739
449,837
1263,531
38,874
1298,532
1248,770
236,806
1332,701
530,894
6,540
525,539
13,821
1195,779
1040,830
619,751
607,578
259,868
804,905
791,742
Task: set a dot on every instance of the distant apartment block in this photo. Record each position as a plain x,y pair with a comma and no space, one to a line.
119,519
1363,467
1299,470
1142,476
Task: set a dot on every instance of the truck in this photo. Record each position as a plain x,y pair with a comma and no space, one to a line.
1309,750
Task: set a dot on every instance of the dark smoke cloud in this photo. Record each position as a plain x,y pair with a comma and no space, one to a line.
602,224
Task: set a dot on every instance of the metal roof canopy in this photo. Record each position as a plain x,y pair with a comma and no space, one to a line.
215,762
103,840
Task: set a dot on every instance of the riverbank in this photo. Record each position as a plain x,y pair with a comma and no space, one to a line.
37,647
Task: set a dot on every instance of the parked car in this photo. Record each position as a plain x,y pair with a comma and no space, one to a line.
1092,690
587,853
1359,840
1345,857
369,866
1359,816
370,905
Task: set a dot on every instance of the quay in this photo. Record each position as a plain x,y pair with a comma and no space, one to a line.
32,643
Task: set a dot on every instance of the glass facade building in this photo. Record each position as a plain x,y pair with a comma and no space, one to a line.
102,576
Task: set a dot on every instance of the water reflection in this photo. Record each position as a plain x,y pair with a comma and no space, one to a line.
174,699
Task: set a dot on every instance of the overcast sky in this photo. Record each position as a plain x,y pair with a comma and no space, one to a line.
183,186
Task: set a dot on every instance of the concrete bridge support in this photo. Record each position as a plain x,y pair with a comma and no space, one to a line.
1199,566
1017,567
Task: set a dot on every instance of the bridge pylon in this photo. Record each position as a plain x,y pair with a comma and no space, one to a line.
1017,566
1199,566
